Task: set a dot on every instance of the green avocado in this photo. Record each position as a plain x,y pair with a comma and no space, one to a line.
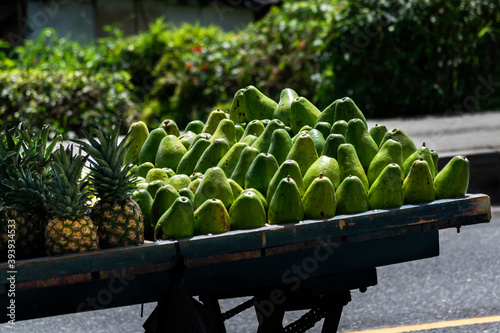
319,199
240,170
237,112
260,172
170,126
287,168
283,108
177,222
136,137
281,143
418,186
387,190
214,185
211,217
170,152
303,152
195,126
286,203
453,180
150,146
162,201
303,112
247,212
258,105
351,196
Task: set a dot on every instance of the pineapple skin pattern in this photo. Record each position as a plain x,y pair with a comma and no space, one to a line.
28,235
119,223
70,236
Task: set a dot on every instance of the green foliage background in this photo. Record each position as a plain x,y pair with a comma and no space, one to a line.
394,58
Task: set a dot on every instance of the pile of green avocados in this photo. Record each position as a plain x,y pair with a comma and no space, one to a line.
266,162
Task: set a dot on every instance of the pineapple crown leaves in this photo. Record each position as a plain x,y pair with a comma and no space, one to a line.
27,191
19,149
10,146
37,151
68,191
65,164
10,149
109,178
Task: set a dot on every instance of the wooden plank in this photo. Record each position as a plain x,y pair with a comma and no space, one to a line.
373,224
117,291
295,267
249,246
93,276
468,210
120,289
229,242
65,266
238,245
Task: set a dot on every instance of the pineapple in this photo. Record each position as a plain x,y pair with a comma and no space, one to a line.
69,228
24,204
23,161
118,218
10,148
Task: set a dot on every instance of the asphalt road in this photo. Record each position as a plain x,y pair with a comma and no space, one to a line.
454,133
462,282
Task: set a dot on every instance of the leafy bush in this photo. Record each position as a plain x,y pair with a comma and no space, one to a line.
49,52
137,54
193,74
399,58
393,58
58,82
283,49
202,68
66,100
